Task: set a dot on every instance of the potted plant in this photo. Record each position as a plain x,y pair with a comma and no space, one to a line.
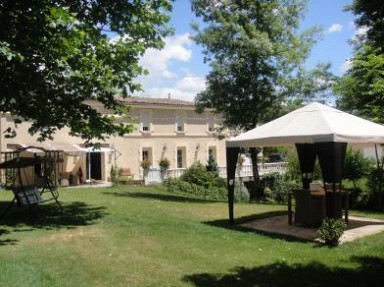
145,164
164,164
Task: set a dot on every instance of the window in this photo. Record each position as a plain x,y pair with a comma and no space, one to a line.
180,123
211,124
181,160
212,152
145,122
145,155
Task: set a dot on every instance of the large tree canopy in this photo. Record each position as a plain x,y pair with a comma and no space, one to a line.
57,55
361,89
256,53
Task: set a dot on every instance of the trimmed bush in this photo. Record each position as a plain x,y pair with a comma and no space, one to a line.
331,230
198,181
212,193
197,174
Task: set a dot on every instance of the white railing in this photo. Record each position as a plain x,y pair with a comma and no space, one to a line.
175,172
264,168
155,175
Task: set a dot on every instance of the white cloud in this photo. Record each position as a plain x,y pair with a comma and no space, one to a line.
335,28
345,66
191,84
351,25
158,62
168,73
361,31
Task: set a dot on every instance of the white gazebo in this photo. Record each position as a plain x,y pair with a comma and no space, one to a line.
315,130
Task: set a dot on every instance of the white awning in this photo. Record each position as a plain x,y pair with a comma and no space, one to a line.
94,149
67,148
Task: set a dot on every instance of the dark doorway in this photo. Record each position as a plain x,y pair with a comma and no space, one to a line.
94,163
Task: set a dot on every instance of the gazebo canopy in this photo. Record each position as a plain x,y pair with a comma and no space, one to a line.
317,130
313,123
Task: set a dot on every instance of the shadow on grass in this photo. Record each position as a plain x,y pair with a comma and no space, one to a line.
50,216
237,226
160,196
6,241
369,273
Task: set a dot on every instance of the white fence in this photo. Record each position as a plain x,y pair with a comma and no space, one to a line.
155,175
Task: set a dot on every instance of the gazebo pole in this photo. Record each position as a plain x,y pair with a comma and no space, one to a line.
232,154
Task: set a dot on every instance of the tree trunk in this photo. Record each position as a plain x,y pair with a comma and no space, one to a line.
256,192
380,166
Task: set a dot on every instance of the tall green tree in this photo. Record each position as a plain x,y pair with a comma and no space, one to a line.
361,89
256,53
58,55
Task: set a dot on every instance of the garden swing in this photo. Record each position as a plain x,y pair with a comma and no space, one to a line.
31,177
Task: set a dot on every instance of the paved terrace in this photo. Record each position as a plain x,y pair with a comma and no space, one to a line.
358,227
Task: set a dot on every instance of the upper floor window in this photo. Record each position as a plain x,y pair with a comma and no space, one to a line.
211,124
180,124
145,122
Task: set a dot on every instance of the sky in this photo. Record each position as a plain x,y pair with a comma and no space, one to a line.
178,70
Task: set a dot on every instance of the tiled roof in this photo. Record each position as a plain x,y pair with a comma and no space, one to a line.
155,101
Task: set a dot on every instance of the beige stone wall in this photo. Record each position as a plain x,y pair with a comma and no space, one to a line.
162,140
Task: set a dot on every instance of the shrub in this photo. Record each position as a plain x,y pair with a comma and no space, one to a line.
212,193
331,230
115,174
198,181
356,166
375,184
197,174
279,184
211,164
241,193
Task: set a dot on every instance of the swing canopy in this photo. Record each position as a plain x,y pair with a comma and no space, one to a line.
23,162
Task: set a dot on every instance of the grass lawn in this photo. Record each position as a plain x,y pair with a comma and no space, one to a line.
144,236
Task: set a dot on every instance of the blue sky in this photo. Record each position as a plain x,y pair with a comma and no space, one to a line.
178,69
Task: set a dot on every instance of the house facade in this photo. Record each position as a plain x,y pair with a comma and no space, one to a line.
164,128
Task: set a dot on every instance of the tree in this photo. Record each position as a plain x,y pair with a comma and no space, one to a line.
361,89
256,54
356,166
56,56
370,17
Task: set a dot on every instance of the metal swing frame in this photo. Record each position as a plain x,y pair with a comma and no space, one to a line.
45,170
